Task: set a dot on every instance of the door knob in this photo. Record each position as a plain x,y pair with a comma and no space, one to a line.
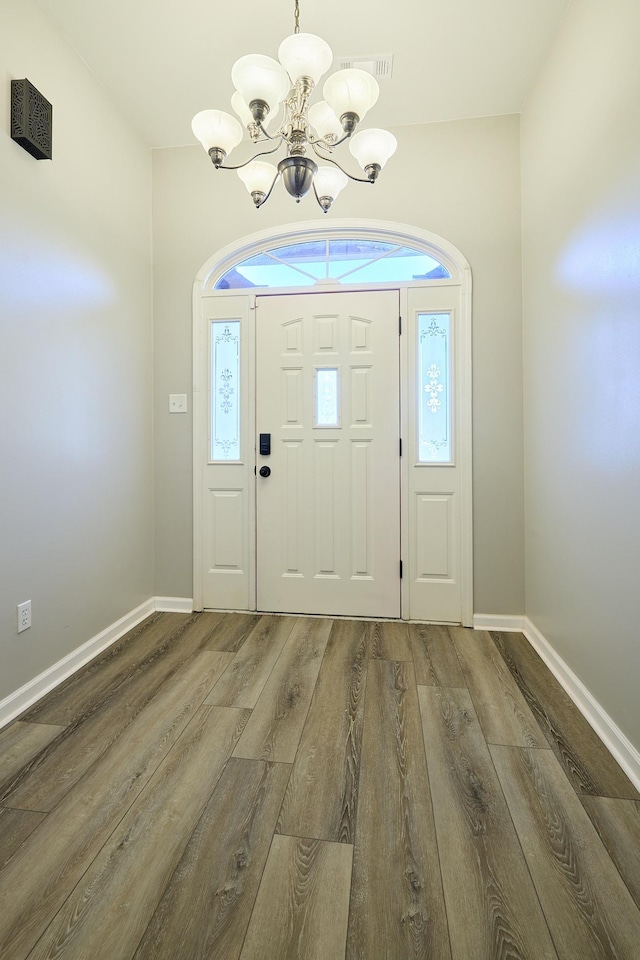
265,471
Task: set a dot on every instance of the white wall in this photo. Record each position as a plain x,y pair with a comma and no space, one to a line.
459,180
75,362
581,229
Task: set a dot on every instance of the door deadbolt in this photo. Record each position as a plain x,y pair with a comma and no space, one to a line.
265,471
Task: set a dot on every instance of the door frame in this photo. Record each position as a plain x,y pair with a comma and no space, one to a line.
203,292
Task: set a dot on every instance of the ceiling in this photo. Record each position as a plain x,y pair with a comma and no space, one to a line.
164,60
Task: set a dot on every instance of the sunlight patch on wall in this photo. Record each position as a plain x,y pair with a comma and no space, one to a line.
35,273
604,257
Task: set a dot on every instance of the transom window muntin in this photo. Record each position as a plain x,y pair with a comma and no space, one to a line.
333,261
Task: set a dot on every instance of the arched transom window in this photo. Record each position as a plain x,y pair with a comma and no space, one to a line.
330,261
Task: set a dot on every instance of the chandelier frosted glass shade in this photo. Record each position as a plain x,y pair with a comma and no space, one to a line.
216,129
261,78
324,121
258,176
241,108
329,181
351,91
305,55
373,147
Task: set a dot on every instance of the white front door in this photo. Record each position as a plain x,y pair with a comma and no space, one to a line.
328,512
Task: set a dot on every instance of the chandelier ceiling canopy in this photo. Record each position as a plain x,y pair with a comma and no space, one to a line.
272,101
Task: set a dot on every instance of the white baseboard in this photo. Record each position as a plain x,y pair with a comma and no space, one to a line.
174,604
20,700
611,735
491,621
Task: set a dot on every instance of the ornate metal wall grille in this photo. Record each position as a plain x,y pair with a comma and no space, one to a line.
31,119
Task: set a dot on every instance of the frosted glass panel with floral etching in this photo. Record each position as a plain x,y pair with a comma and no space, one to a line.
434,388
225,390
327,397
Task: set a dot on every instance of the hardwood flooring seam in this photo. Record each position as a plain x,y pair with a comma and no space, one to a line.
87,671
485,875
15,827
280,713
244,936
397,900
223,864
64,760
436,839
61,848
306,886
588,908
298,836
9,806
248,673
134,865
503,712
323,787
618,825
435,658
520,844
590,768
313,695
31,713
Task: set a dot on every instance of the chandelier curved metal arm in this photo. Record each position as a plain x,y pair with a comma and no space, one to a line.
263,153
346,172
327,144
267,136
323,206
259,201
262,84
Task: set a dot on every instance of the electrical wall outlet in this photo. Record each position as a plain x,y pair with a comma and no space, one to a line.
24,616
177,403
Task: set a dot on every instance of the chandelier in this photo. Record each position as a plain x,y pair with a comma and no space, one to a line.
272,101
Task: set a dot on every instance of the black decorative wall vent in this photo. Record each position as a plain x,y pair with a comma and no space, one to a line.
31,119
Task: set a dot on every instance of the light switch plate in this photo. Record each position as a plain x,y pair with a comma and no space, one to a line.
177,403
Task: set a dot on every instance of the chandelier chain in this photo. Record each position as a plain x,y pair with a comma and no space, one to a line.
297,16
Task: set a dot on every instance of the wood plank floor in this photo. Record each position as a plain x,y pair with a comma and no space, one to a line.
243,787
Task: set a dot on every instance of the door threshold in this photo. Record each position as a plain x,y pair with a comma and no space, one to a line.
332,616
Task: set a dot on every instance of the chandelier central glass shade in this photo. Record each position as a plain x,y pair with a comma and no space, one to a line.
272,100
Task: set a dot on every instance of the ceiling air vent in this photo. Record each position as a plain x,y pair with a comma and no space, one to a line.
379,66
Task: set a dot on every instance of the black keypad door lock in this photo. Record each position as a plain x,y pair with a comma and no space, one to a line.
265,444
265,471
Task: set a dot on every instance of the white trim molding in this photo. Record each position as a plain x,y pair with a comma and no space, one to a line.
492,621
621,748
20,700
173,604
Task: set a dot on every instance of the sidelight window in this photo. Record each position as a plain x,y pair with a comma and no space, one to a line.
434,388
225,390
